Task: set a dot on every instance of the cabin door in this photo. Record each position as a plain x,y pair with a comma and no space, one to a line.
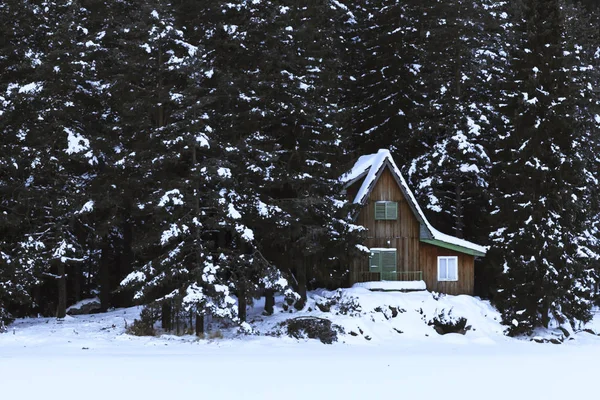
383,265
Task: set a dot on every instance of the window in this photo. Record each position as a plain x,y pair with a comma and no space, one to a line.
383,261
448,268
386,210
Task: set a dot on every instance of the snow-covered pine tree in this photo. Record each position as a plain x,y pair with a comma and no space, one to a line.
539,175
294,145
461,45
388,83
45,115
583,47
202,251
15,44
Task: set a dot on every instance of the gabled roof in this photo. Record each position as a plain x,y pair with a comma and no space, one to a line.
370,167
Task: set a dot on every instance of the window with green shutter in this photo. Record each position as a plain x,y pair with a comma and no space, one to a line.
386,210
383,261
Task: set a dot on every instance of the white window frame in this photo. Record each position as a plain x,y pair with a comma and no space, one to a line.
455,258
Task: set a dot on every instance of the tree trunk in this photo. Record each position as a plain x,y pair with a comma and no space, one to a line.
199,324
125,259
242,303
545,313
166,312
301,278
459,222
61,309
269,301
77,283
104,276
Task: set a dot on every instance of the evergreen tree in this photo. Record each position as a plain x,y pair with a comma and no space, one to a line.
388,82
45,116
540,177
460,45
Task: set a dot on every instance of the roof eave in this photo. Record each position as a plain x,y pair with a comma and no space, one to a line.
455,247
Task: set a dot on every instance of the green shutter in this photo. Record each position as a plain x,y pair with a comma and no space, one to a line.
388,265
391,210
380,210
375,261
386,210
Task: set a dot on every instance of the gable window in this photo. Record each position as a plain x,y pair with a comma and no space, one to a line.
448,268
383,261
386,210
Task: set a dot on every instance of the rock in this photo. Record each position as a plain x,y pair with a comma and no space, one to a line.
87,306
394,311
564,331
555,341
439,330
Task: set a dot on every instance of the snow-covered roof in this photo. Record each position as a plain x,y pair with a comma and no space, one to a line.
370,167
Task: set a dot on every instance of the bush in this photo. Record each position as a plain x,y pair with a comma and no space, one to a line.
313,328
145,325
444,323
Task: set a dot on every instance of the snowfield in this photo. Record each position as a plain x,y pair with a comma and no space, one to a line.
90,356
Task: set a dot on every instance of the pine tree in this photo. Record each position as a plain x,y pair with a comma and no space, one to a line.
388,83
540,177
294,147
45,117
460,45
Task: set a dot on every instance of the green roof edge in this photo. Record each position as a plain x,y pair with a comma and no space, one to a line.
454,247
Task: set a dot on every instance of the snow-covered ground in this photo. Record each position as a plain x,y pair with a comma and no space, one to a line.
89,356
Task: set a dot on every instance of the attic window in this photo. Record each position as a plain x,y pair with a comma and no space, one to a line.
386,210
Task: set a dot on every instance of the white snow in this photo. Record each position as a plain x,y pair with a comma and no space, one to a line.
87,207
31,88
94,358
174,196
224,172
75,142
84,302
369,166
233,213
392,285
246,233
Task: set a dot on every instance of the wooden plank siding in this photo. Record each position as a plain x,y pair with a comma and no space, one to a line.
403,235
466,270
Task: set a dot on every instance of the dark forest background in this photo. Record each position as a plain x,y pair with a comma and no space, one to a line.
186,151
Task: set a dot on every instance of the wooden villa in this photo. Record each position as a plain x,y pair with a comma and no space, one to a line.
402,243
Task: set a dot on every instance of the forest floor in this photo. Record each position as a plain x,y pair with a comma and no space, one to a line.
91,357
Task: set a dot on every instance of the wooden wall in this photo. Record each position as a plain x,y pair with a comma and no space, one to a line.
403,234
466,270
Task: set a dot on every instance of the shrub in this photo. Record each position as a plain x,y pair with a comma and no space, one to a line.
444,323
313,328
215,335
144,326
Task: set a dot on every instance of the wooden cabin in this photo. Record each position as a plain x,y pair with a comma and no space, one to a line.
403,245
